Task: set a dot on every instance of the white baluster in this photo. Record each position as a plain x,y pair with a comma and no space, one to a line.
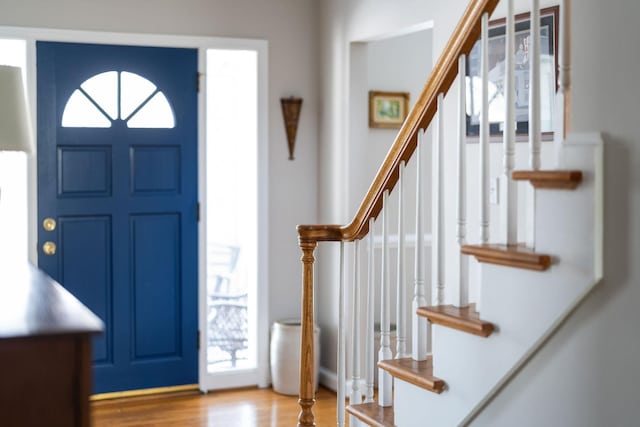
401,310
484,142
534,116
565,45
369,360
341,344
509,202
437,202
461,235
484,133
356,395
385,381
420,331
561,117
534,87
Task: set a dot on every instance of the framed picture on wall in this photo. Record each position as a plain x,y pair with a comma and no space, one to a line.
388,109
548,77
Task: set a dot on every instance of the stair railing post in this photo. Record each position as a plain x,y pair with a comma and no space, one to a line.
534,87
419,331
356,395
307,375
534,117
369,340
401,310
509,203
461,234
385,380
437,208
342,343
484,132
562,116
484,141
564,58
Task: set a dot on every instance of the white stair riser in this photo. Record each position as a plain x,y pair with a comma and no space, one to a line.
524,305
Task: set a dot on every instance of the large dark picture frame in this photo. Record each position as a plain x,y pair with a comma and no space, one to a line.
548,72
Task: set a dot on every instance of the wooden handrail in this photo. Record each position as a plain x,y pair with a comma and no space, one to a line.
444,73
442,76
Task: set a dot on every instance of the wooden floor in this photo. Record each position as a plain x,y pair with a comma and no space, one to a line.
236,408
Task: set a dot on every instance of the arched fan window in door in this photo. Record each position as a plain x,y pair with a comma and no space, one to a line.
118,95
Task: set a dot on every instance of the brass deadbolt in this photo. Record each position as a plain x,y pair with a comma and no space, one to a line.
49,224
49,248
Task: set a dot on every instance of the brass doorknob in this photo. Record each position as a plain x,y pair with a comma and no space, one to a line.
49,248
49,224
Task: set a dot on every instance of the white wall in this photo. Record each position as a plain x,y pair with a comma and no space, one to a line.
396,64
592,364
291,29
587,375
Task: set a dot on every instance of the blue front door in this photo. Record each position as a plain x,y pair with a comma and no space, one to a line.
117,202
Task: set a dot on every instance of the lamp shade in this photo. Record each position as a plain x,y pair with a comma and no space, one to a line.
15,129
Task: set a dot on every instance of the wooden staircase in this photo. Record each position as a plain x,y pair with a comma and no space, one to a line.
373,414
510,256
463,354
465,319
418,373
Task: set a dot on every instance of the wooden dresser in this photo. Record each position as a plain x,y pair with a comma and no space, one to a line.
45,351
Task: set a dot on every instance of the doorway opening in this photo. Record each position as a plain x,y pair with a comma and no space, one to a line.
256,353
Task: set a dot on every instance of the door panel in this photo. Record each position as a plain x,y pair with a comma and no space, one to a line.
96,270
125,198
84,171
155,169
156,290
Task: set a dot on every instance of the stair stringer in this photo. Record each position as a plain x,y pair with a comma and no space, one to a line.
526,306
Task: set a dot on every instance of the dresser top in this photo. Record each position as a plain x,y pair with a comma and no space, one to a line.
31,303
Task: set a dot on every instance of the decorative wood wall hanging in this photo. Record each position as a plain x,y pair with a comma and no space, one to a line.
291,113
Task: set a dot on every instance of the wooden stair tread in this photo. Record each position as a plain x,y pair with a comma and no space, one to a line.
465,319
419,373
510,256
550,179
373,414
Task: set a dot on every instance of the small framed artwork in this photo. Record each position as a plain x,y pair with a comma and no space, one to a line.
388,109
548,77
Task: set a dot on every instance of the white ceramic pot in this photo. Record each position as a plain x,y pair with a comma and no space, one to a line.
285,356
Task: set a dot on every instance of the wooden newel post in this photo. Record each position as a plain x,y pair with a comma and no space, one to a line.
307,374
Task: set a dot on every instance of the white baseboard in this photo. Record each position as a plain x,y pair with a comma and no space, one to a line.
328,378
